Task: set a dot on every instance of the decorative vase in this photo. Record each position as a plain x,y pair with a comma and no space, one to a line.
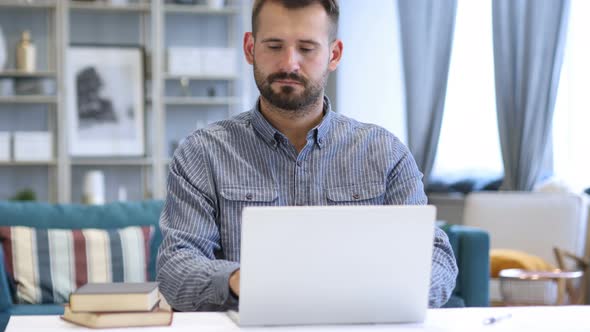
93,192
25,53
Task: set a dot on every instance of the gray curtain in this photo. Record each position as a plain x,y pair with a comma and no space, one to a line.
529,38
426,28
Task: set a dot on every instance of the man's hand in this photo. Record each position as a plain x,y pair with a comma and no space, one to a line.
234,282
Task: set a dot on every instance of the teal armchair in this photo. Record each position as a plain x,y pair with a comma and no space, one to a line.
471,247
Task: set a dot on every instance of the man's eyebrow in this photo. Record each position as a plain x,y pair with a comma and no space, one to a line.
271,40
278,40
309,41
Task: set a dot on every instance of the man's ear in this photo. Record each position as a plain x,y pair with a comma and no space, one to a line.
249,47
335,54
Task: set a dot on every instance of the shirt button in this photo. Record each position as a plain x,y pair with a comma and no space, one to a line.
249,196
299,164
356,196
321,141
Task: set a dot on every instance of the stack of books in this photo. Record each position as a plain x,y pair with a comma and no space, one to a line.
105,305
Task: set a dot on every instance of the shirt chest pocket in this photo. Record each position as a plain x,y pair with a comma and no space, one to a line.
361,194
238,197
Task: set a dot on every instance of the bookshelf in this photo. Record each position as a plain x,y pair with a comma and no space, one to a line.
174,104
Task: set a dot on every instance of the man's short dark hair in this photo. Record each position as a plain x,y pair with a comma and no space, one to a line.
331,7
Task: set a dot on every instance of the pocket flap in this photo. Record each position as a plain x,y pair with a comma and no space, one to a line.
247,194
356,193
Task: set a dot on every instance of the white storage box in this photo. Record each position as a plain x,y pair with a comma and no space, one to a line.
184,61
4,146
218,61
33,146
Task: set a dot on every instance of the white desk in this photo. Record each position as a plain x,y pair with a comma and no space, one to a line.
572,318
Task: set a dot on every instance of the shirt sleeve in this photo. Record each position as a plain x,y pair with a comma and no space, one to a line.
404,187
189,275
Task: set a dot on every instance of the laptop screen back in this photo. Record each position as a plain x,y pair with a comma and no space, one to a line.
335,265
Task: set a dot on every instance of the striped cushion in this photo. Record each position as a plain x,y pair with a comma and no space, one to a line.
46,265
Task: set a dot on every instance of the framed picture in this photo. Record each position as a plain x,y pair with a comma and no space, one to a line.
105,102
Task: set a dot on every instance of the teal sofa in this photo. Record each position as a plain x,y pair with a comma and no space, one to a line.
471,246
70,216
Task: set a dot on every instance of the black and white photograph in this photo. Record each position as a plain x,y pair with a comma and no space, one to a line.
105,103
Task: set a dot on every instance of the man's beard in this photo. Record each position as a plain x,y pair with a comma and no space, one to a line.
287,99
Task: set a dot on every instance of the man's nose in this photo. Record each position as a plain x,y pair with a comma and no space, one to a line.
290,60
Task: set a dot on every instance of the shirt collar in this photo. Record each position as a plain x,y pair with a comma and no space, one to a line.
272,136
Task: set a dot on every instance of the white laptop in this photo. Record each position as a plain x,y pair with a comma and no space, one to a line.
335,265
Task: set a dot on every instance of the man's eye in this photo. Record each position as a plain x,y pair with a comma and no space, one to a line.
306,50
274,47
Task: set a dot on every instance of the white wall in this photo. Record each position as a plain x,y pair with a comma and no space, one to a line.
369,81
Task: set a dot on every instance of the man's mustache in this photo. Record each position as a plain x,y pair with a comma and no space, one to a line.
286,76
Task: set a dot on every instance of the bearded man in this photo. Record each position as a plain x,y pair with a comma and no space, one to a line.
290,149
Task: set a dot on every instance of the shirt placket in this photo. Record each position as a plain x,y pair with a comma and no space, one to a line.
301,177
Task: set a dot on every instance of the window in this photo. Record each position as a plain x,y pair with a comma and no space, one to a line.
571,119
469,145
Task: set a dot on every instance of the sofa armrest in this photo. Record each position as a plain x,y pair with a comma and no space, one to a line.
471,246
5,295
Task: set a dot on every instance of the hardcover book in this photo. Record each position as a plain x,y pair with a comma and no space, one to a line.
113,297
156,317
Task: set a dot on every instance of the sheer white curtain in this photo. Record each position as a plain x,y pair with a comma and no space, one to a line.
571,120
469,145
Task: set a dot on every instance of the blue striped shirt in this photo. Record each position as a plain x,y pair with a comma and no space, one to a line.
245,161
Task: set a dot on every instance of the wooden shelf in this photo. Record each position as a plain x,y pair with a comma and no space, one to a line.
107,7
111,162
200,77
28,100
29,4
199,9
28,163
18,74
